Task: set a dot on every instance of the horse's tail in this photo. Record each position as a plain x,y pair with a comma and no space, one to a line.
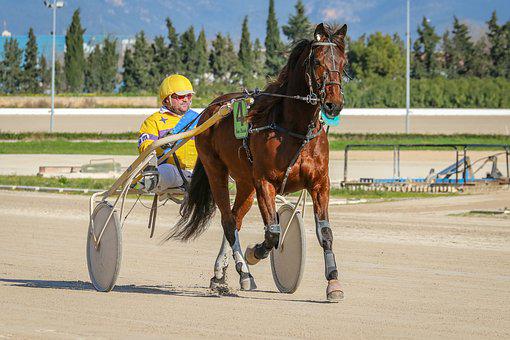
197,209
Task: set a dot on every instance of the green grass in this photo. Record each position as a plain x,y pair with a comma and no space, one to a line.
67,147
61,182
79,143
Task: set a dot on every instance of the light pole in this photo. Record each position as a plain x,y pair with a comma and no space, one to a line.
53,4
408,69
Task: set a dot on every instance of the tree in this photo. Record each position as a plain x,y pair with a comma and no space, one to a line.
222,58
356,54
274,46
188,47
299,26
31,74
202,62
245,53
462,48
424,57
161,61
74,58
258,59
60,78
384,57
137,66
11,76
93,71
45,72
175,64
498,39
109,62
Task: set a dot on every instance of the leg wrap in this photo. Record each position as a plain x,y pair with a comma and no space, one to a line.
271,240
324,233
241,266
330,265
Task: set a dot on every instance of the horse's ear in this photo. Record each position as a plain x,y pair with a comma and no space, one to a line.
342,31
319,32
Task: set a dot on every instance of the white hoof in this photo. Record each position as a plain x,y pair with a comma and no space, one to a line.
249,255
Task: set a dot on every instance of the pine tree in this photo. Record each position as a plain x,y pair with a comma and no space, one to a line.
74,58
109,62
93,71
274,46
245,53
424,56
137,66
11,76
175,63
448,64
299,26
31,73
222,58
188,47
202,63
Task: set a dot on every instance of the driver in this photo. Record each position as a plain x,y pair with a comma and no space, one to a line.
174,116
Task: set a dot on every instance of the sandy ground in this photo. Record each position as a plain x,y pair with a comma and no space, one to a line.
409,269
349,124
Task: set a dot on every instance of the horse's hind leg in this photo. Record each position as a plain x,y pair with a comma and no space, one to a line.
218,179
320,198
220,266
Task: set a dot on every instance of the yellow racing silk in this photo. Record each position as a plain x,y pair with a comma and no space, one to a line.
157,126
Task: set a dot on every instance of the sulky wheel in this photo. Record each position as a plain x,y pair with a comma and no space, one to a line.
288,261
104,261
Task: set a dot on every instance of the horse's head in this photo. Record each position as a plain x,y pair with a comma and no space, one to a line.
326,63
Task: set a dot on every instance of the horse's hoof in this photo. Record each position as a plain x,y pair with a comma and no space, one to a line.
247,282
334,292
217,284
249,255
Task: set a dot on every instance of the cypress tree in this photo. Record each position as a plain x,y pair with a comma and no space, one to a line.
11,76
175,64
31,73
222,58
424,56
245,53
45,72
202,64
498,39
109,61
274,45
258,59
161,61
93,71
188,47
74,58
137,66
463,48
299,26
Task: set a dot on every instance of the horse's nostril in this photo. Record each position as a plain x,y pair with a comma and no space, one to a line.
329,106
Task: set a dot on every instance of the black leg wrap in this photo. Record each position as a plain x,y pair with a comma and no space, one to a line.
272,238
330,265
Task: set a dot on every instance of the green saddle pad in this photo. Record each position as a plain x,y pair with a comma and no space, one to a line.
240,110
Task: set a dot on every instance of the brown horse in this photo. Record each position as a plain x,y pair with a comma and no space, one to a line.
286,133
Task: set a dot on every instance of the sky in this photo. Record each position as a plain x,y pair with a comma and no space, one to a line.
127,17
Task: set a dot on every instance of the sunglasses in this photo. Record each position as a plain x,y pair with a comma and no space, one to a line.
187,96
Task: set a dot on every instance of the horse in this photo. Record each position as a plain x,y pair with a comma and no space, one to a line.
286,151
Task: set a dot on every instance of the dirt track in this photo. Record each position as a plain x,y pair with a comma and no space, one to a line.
409,269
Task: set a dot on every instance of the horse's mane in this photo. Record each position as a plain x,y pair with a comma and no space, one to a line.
266,104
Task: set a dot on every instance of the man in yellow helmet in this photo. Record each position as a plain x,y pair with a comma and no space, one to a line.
174,116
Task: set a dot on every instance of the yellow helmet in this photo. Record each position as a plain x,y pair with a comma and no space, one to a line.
175,84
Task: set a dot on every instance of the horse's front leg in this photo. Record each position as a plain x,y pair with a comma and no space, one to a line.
266,193
320,198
